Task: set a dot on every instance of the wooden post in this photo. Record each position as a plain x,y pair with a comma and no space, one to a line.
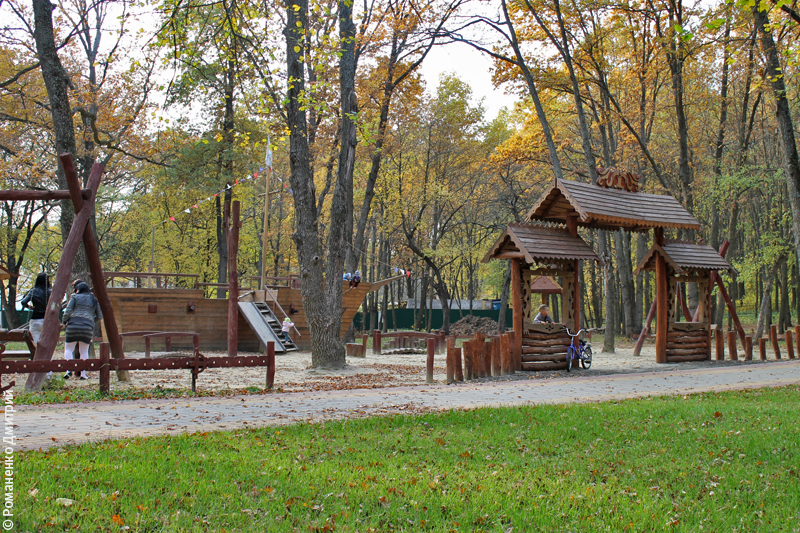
505,355
376,342
719,338
105,371
233,282
773,335
466,349
662,314
495,356
732,346
637,350
270,365
51,328
789,344
487,359
429,362
516,357
762,349
441,342
450,366
516,296
748,347
459,367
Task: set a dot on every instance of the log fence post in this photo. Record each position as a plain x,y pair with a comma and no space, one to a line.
732,355
459,367
270,365
748,347
505,355
719,340
429,364
789,344
376,342
762,349
773,335
105,370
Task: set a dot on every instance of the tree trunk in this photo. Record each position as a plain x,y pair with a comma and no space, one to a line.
56,82
765,313
791,162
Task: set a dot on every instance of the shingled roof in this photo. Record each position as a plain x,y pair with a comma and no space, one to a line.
536,243
685,256
601,207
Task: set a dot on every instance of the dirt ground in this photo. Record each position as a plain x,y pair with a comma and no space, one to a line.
294,372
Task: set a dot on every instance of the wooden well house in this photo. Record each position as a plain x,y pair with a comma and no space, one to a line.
549,245
675,262
537,250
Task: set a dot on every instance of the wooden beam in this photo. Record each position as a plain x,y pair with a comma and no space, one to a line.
95,266
682,299
51,328
509,255
640,341
44,196
662,316
731,308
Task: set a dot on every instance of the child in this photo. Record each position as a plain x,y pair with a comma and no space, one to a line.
287,325
544,315
355,280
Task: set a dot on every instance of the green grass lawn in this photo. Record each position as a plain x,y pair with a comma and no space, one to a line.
712,462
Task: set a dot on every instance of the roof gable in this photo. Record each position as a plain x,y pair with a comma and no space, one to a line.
601,207
537,243
684,256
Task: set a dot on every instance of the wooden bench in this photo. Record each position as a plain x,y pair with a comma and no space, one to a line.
166,335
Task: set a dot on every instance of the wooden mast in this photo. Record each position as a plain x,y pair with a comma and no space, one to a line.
518,309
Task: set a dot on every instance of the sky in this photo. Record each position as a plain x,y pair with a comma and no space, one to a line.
471,66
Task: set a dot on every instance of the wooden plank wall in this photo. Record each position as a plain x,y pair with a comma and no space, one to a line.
209,318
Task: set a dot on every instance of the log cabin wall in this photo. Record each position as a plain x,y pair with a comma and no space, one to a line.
544,347
690,341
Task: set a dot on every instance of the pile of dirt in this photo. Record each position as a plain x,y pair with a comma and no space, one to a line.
471,324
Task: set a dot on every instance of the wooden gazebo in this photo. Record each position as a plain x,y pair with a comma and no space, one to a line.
675,262
550,246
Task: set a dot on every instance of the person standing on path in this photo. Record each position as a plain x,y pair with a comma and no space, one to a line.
80,316
36,300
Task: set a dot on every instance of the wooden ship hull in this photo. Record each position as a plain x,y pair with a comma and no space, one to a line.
188,310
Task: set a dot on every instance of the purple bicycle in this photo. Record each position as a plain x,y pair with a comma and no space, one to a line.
583,351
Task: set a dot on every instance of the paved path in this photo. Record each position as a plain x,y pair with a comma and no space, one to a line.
46,426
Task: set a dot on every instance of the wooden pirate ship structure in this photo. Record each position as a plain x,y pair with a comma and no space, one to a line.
165,307
548,244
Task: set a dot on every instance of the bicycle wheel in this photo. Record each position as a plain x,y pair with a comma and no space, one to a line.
586,360
570,355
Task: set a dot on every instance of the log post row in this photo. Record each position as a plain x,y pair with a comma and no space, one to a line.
773,335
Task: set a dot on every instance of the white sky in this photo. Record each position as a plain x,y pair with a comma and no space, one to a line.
471,66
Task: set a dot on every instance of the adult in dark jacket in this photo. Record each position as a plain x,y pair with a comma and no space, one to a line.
80,316
36,300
